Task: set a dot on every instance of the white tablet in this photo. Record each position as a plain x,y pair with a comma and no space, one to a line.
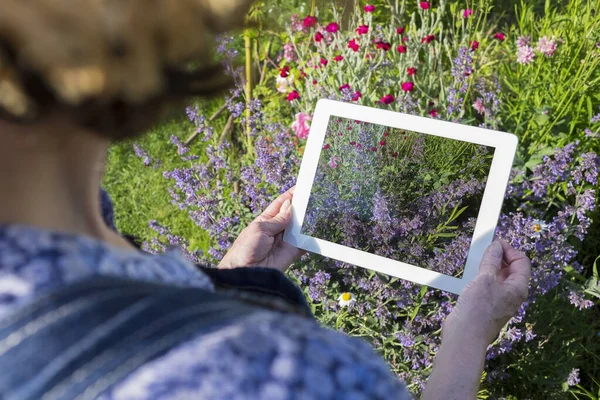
416,198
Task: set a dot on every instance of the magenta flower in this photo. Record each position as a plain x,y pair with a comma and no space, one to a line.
428,39
395,155
318,37
467,13
525,55
345,86
373,148
382,143
301,125
425,5
362,30
388,99
546,46
478,105
500,36
386,134
294,95
385,46
284,72
523,41
353,143
401,49
356,95
474,45
433,113
411,71
369,8
333,162
310,21
353,45
400,30
408,86
332,27
324,62
338,58
326,146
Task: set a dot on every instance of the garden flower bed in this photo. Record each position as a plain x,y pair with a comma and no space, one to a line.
531,70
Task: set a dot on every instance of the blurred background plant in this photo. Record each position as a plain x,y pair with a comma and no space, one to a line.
525,67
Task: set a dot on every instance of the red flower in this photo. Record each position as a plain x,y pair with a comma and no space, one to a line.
284,72
326,146
431,104
310,21
373,148
369,8
344,86
324,61
433,113
302,74
400,30
474,44
353,143
386,134
385,46
338,58
411,71
318,37
500,36
395,155
467,13
401,49
428,39
332,27
357,122
388,99
382,143
362,30
314,81
293,96
425,5
408,86
356,95
359,146
353,45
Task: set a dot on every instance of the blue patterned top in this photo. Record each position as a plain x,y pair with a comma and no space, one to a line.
266,355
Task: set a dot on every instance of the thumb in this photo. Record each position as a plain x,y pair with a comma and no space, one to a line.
278,223
491,263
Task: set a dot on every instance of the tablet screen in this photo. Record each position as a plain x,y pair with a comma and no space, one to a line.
404,195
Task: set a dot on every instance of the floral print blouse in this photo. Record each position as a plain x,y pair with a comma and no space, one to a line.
266,355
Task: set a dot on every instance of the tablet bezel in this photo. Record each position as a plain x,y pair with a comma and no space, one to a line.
505,145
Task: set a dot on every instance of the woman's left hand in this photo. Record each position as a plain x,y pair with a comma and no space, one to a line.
261,243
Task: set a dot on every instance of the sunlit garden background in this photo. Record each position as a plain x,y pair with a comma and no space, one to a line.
529,68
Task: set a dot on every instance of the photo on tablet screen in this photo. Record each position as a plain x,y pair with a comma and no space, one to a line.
415,197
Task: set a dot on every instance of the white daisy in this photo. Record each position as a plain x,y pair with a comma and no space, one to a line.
346,299
537,227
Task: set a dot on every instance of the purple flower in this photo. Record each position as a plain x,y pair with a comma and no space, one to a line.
573,378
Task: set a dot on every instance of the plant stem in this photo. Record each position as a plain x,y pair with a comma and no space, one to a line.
248,48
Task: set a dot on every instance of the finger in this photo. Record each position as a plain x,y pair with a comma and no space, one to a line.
491,263
279,222
273,209
519,266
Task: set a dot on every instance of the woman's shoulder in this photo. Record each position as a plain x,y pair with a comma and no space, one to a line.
265,355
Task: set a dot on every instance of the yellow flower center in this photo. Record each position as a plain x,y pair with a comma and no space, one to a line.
537,227
346,296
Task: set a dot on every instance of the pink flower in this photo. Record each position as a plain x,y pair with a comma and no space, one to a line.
332,27
425,5
411,71
333,162
284,84
369,8
428,39
546,46
388,99
500,36
478,105
345,86
301,125
353,45
327,146
362,30
314,82
386,134
474,45
373,148
382,143
318,37
433,113
385,46
400,30
338,58
294,95
324,62
408,86
525,55
467,13
405,39
359,146
356,95
401,49
284,72
310,21
523,41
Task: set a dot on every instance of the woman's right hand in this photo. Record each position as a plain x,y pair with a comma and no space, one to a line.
494,296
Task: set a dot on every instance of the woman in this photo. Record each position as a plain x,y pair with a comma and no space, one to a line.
85,314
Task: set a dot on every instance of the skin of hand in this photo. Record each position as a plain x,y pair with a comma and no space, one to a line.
483,308
261,243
